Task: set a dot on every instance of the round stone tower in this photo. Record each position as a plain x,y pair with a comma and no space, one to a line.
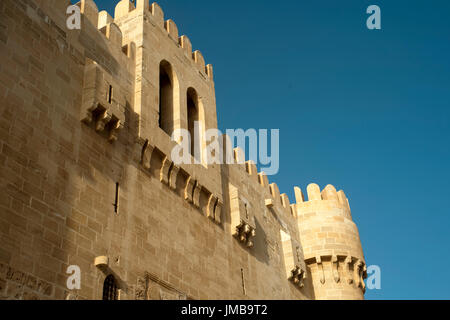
330,240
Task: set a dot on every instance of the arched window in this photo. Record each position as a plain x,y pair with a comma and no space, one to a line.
166,97
110,290
193,117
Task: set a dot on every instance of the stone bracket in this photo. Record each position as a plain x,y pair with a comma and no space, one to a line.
210,210
173,177
298,276
165,171
322,272
218,212
357,271
348,262
196,194
146,155
189,190
335,262
214,209
103,120
244,233
355,277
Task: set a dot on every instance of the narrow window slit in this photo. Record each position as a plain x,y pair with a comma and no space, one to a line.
244,291
110,94
116,202
246,210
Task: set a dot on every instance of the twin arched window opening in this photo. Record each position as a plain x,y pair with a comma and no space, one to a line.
168,88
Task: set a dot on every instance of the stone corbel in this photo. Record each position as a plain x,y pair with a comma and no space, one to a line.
102,120
189,190
196,195
173,177
348,262
214,209
146,155
244,233
362,272
165,171
89,117
334,263
321,271
357,273
114,131
298,276
211,208
218,212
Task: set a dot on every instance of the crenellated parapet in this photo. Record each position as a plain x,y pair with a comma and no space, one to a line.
325,222
328,199
275,201
243,209
330,241
132,79
155,16
280,203
104,96
104,23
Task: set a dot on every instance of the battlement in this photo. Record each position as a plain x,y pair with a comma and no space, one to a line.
124,8
328,197
90,129
106,26
331,243
274,199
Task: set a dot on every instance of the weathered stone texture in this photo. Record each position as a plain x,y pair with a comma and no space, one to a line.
85,172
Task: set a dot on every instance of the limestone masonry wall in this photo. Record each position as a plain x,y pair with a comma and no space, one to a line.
87,178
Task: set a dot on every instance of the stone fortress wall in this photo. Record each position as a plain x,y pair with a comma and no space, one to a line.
87,179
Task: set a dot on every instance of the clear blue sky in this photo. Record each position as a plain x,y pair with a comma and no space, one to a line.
366,111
